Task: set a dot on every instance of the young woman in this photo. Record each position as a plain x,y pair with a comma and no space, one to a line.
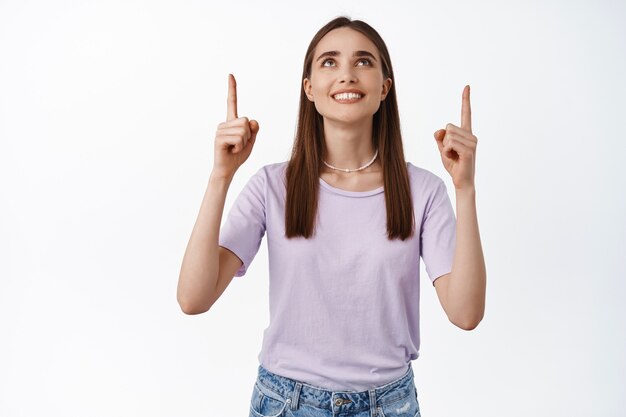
347,219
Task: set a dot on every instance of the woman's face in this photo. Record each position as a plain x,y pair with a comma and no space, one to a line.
345,59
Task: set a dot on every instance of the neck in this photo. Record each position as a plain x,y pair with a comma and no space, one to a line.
348,146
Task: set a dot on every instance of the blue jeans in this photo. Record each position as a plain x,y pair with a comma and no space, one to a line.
278,396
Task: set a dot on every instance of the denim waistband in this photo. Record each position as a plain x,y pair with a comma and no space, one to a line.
298,393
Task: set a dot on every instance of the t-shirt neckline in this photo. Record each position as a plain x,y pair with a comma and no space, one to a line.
351,193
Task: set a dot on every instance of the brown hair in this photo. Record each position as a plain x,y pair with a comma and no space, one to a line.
305,165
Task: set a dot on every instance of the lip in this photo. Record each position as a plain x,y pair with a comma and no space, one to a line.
350,90
353,100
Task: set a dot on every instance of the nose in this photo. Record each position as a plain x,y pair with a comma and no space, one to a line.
348,75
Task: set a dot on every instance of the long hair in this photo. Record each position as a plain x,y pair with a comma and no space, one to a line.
305,165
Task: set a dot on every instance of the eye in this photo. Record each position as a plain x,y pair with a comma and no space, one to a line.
368,62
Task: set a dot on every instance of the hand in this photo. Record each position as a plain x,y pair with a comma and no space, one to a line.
457,146
234,138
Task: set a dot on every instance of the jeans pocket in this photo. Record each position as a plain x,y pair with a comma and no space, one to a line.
405,407
267,403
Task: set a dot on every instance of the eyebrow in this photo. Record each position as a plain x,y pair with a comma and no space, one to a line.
356,53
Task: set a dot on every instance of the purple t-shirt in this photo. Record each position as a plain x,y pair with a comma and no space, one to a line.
344,304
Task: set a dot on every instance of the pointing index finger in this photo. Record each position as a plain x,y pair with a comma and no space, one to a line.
231,112
466,111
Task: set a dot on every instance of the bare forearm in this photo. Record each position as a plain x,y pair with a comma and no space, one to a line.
200,267
467,287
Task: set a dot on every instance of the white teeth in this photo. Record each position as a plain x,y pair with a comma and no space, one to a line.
346,96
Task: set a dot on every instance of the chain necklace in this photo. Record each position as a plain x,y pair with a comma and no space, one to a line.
352,170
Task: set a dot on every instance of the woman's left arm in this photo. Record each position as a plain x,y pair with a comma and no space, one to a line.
466,286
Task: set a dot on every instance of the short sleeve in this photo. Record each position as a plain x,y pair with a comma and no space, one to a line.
438,233
245,224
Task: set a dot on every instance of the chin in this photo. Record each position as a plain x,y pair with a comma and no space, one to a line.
348,117
352,119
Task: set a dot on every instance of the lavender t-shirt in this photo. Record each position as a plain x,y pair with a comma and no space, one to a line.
344,304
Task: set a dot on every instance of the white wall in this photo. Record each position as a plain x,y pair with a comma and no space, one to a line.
107,118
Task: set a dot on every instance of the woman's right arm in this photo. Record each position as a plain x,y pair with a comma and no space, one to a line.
207,268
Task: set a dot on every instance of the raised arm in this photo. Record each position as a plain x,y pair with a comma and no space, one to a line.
462,292
207,269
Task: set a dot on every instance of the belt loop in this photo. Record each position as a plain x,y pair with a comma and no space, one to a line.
295,396
373,406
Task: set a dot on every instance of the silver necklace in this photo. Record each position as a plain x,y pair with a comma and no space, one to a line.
352,170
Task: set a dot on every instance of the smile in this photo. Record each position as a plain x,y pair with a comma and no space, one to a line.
347,97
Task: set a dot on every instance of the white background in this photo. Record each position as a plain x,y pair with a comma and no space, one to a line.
107,118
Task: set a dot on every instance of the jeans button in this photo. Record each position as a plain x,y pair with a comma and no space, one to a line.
341,401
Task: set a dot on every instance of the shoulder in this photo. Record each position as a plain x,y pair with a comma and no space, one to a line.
274,173
275,168
270,171
423,178
268,178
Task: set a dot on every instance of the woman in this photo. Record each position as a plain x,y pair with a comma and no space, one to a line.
343,243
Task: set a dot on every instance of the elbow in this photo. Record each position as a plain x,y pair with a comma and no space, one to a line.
193,300
191,308
467,324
